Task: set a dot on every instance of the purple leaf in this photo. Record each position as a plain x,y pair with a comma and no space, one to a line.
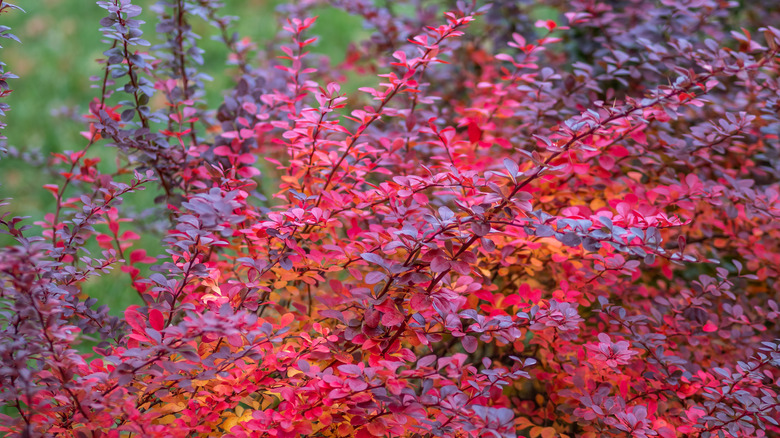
469,344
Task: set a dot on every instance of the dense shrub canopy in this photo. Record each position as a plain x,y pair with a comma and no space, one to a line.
565,227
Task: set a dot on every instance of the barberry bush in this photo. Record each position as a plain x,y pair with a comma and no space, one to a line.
480,224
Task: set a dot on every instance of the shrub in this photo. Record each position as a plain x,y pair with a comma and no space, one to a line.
565,227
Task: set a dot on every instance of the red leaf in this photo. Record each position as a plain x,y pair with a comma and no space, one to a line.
104,241
377,428
134,319
439,264
53,188
223,150
139,256
474,132
606,161
129,235
156,319
392,319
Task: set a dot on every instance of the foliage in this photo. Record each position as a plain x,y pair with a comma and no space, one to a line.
524,228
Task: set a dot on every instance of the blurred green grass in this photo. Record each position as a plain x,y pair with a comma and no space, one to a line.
60,43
